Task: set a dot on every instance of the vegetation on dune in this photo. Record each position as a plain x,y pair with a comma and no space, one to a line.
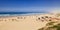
57,26
58,14
51,26
51,23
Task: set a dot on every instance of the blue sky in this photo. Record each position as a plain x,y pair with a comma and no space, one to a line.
29,5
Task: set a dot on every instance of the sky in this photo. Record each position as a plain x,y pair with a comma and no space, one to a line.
29,5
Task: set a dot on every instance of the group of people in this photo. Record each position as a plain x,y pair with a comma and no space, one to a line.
47,18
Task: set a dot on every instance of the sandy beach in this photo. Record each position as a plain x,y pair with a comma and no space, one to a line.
29,22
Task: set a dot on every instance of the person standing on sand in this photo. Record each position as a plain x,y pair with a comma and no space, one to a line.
42,19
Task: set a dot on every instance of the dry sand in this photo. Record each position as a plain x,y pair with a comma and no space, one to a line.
29,22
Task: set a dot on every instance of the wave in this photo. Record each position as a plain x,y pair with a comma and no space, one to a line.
18,13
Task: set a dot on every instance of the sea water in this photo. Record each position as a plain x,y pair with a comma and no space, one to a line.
19,13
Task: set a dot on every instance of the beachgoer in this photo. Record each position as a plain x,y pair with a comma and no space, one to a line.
42,17
46,16
38,18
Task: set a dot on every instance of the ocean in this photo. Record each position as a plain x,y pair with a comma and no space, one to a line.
18,13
